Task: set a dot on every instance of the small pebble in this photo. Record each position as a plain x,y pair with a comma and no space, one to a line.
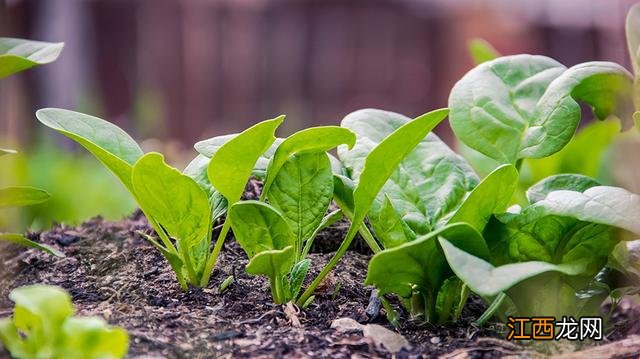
435,340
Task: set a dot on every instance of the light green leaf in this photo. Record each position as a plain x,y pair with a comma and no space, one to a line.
389,227
22,196
487,280
20,239
209,147
607,205
233,162
91,337
5,151
109,143
297,275
197,169
574,182
18,54
524,106
302,191
481,51
491,196
258,227
428,184
174,200
314,139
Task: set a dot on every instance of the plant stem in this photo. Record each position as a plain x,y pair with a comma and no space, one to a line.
206,275
368,237
332,263
491,310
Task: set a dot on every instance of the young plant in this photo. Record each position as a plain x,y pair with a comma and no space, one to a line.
299,186
379,165
178,207
545,257
43,326
18,55
431,189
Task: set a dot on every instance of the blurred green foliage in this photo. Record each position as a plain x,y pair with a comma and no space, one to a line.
80,187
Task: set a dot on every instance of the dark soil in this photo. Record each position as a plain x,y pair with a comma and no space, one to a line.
111,272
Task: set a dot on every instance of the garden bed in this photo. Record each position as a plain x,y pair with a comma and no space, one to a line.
112,272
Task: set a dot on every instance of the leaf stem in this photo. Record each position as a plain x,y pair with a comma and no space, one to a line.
497,302
368,237
206,275
332,263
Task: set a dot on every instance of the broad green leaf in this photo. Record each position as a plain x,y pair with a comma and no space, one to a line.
173,199
297,275
428,184
389,227
20,239
272,263
302,191
233,162
419,263
109,143
91,337
491,196
22,196
481,51
607,205
314,139
258,227
5,151
487,280
524,106
209,147
574,182
18,54
197,169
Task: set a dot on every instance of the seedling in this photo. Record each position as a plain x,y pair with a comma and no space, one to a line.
43,326
299,186
180,208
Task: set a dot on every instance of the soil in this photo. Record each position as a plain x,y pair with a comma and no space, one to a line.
112,272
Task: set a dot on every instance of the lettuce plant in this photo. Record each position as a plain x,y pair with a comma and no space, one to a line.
299,187
43,326
18,55
180,208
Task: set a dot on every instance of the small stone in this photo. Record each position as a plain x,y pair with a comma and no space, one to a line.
435,340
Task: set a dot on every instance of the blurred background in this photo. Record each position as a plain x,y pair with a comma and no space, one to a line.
172,72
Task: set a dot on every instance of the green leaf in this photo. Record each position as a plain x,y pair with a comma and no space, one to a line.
491,196
524,106
258,226
197,169
5,151
428,184
302,191
389,227
209,147
297,275
20,239
481,51
91,337
109,143
487,280
18,55
419,266
173,199
310,140
607,205
233,162
574,182
22,196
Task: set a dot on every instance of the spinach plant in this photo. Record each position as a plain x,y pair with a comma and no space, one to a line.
18,55
426,195
179,207
379,165
43,326
299,186
545,256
